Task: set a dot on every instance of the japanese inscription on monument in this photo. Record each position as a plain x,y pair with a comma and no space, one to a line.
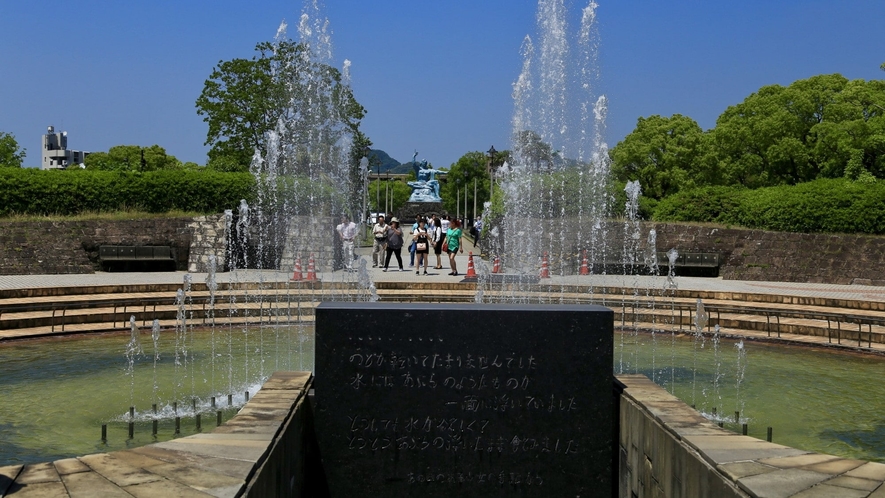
478,400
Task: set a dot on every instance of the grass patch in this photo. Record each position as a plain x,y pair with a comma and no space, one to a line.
129,214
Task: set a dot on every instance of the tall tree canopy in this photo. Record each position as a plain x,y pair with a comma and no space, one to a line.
662,153
244,99
471,169
822,127
11,155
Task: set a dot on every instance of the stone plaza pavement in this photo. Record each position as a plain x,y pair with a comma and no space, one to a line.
811,290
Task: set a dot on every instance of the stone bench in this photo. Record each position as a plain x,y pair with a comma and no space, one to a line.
135,253
136,257
692,263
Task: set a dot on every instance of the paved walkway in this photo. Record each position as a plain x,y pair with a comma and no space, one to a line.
858,292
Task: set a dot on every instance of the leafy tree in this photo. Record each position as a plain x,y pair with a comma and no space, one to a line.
530,148
471,168
794,134
398,195
853,135
662,153
11,155
813,128
855,170
245,99
360,147
134,158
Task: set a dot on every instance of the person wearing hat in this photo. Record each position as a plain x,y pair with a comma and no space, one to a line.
346,233
379,247
394,243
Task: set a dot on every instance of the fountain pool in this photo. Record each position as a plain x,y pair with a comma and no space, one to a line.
822,400
58,392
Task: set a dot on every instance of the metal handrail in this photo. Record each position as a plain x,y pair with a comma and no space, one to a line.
838,318
59,313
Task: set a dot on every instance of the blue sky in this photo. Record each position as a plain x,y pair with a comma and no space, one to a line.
433,76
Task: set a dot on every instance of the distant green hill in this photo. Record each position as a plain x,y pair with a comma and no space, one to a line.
387,164
402,168
379,158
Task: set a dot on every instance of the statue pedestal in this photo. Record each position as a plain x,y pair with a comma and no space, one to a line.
408,212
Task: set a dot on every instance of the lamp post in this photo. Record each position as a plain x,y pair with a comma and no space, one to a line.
364,171
457,198
491,154
377,178
474,200
465,198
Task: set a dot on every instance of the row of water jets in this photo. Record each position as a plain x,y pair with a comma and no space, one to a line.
557,196
213,365
236,358
303,180
707,396
709,378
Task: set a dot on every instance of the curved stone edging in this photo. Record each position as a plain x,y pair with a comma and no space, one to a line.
668,449
261,451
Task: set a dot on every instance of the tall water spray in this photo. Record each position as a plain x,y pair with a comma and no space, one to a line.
559,218
133,350
307,177
555,186
700,321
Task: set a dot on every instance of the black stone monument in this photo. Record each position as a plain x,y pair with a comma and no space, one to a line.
464,400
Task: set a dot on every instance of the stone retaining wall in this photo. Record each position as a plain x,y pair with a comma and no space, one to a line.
782,256
745,254
54,247
209,238
313,237
72,247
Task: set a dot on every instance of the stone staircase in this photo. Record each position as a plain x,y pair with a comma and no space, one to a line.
35,312
26,313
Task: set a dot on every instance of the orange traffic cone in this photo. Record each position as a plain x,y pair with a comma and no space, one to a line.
471,271
585,265
496,268
545,267
311,269
297,276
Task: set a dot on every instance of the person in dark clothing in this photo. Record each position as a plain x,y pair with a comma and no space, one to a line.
394,243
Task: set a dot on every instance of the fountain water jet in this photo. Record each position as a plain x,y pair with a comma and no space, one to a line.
558,198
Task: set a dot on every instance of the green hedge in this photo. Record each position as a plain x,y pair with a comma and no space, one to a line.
68,192
826,205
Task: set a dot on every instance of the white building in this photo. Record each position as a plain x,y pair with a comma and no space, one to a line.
55,151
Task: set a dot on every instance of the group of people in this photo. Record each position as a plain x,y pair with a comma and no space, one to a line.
438,234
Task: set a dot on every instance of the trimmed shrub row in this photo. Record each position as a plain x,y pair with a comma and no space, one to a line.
826,205
68,192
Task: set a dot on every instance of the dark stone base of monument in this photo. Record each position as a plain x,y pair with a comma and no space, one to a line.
465,400
407,213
